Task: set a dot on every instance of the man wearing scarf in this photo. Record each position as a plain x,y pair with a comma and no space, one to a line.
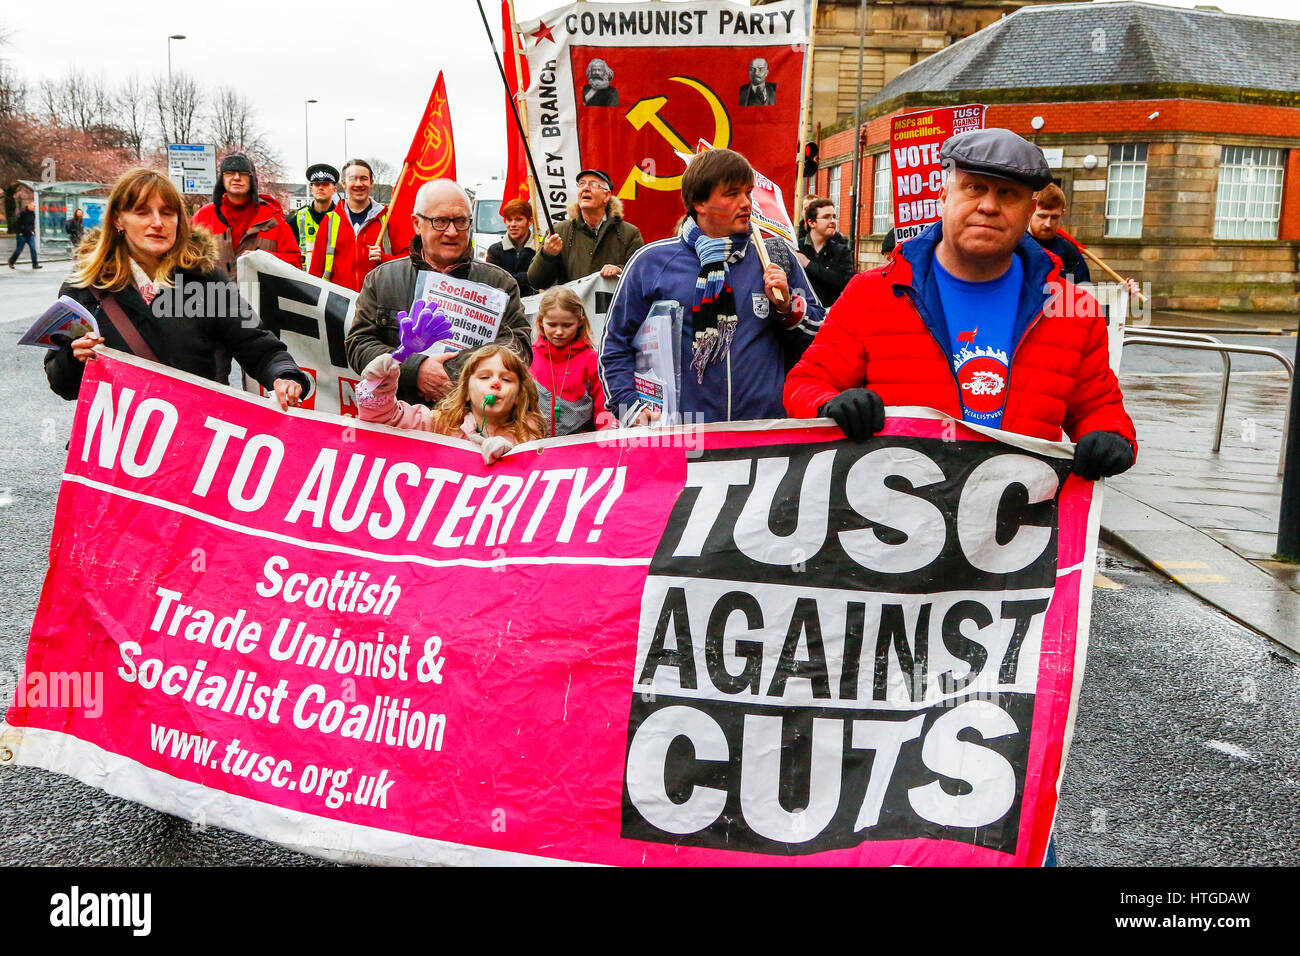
743,325
242,220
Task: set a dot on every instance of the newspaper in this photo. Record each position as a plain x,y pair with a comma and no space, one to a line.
65,318
474,309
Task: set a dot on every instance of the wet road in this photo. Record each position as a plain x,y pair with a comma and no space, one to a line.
1183,752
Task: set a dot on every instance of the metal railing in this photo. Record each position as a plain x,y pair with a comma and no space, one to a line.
1202,341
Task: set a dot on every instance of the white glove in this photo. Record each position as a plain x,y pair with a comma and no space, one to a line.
494,447
380,367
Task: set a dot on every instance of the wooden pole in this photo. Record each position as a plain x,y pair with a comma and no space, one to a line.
763,257
1109,271
800,186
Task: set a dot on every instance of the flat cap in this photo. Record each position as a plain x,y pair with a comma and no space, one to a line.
598,173
997,152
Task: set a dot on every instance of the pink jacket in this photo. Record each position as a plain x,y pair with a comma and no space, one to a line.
568,387
379,403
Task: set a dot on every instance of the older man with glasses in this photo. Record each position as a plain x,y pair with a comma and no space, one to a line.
595,237
441,244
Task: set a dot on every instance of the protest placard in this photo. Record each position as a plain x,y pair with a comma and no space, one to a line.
915,172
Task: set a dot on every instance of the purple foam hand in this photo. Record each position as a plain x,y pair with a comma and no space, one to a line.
424,325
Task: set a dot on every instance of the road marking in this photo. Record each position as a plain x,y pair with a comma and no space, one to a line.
1232,750
1199,578
1179,565
1100,580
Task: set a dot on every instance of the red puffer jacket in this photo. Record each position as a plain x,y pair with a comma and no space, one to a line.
877,336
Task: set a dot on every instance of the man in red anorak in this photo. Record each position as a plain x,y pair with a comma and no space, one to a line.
242,220
973,318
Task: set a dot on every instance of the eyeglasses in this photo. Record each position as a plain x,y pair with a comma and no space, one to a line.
442,222
594,184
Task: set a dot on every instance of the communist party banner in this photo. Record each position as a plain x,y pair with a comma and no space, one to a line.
915,170
626,87
432,155
739,644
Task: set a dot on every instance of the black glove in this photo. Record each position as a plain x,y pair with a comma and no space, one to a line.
858,411
1101,454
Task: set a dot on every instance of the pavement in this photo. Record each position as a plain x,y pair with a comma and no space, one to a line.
1208,521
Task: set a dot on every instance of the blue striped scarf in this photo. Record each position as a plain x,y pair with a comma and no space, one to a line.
713,313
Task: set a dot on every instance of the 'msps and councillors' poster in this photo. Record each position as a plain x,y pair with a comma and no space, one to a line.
626,87
756,643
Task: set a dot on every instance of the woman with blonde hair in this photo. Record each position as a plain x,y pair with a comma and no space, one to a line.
135,273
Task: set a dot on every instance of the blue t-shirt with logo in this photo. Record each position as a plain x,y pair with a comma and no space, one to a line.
981,317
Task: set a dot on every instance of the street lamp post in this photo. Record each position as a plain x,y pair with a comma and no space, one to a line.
350,119
171,89
306,133
174,36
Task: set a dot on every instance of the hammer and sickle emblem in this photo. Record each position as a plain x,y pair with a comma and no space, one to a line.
647,111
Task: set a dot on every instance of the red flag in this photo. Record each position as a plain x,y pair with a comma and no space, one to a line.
517,161
967,336
432,156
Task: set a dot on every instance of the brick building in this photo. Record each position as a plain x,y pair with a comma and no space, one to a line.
895,35
1174,133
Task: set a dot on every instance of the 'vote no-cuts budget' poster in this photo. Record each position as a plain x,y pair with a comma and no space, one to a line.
626,87
757,643
915,172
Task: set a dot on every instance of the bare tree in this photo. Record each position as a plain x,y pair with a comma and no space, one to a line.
232,123
385,172
177,106
131,114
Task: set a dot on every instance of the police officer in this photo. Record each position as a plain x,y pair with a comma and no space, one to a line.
322,181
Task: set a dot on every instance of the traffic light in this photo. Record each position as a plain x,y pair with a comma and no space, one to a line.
809,159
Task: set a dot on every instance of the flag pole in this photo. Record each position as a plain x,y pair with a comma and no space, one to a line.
514,110
801,182
763,257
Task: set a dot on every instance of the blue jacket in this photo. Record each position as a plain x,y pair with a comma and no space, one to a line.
743,386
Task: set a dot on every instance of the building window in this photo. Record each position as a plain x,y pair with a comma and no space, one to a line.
1126,188
833,189
882,197
1250,193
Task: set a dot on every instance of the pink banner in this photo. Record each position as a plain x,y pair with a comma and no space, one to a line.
759,644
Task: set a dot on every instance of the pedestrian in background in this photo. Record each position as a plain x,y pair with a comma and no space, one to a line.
76,228
242,220
825,254
25,229
515,252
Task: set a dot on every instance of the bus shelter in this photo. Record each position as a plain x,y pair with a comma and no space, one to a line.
55,204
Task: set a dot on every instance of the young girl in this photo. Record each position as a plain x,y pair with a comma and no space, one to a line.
565,367
494,404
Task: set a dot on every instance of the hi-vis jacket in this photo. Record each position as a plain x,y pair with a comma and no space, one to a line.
342,255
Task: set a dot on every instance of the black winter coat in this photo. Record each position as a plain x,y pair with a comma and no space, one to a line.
515,261
25,223
830,270
201,345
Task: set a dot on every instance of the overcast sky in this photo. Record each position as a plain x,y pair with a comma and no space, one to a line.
374,61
